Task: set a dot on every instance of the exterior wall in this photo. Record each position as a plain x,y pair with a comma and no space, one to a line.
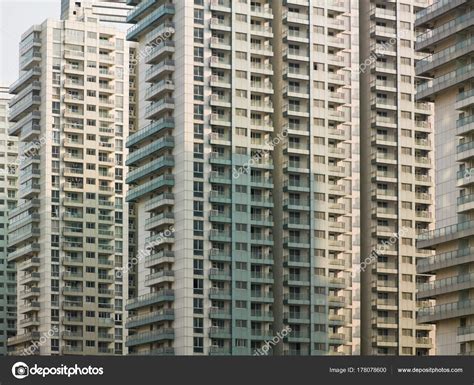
8,189
318,177
216,285
397,181
69,233
447,39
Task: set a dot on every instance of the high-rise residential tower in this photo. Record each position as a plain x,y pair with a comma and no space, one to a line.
447,40
69,234
246,189
8,192
204,218
316,176
396,180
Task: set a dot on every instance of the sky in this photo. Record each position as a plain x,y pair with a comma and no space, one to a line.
16,16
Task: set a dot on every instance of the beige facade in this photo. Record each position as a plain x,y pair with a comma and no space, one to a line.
446,39
244,175
397,180
8,193
69,233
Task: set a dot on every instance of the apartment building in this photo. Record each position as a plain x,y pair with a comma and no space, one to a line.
316,196
8,190
396,180
69,234
446,39
232,246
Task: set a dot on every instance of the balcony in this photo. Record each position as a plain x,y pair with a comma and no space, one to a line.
435,36
465,126
445,260
157,90
150,318
220,275
151,186
30,121
154,352
296,280
381,31
158,70
220,5
296,317
150,299
150,130
24,79
445,311
297,299
445,234
148,22
159,277
166,218
29,278
446,285
383,13
263,12
219,313
162,106
436,10
162,200
447,55
442,83
220,332
72,350
23,221
21,109
25,251
157,259
465,334
135,13
154,167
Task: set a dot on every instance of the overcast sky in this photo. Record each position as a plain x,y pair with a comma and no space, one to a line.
16,16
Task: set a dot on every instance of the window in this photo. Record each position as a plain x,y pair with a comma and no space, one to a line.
198,73
199,93
198,266
198,345
198,246
198,305
198,208
198,227
199,54
198,153
198,16
198,131
198,112
198,35
198,325
198,189
198,286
